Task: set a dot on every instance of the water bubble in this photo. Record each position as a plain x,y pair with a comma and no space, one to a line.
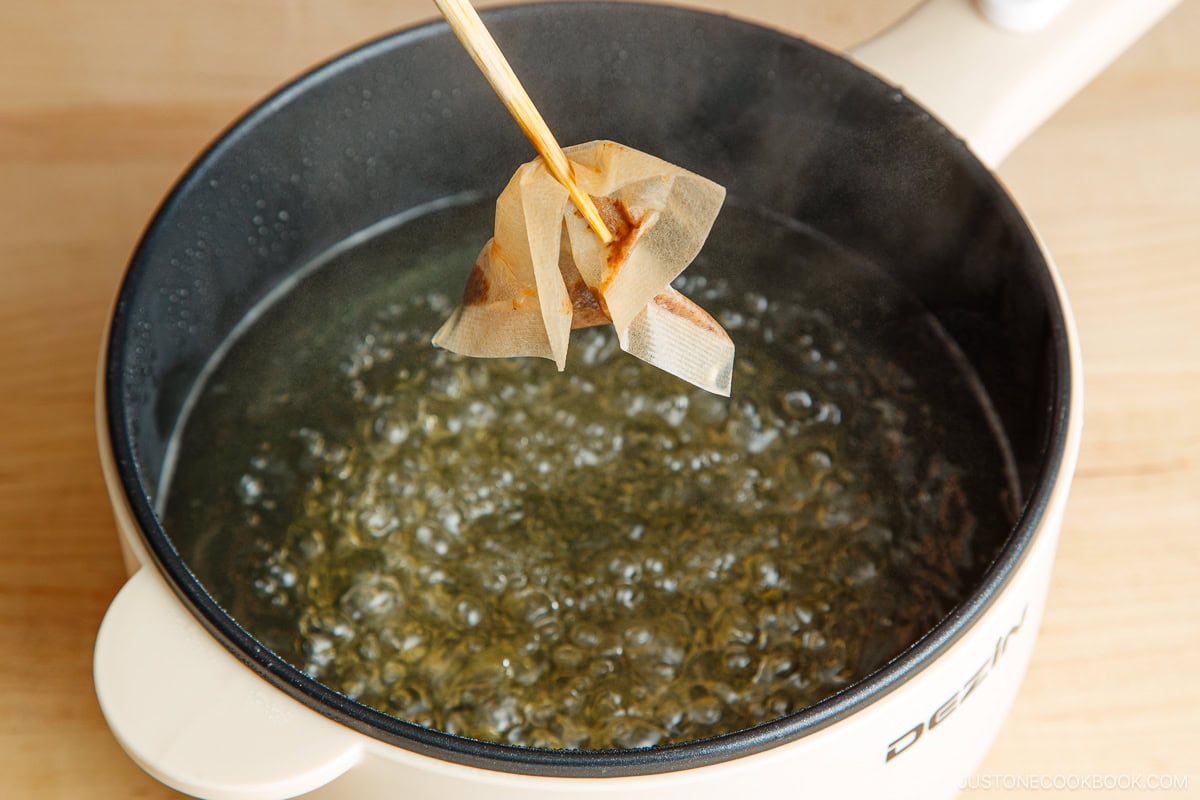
371,595
585,458
250,488
704,711
737,659
525,669
390,429
469,613
797,403
813,640
819,459
732,320
633,733
320,651
378,520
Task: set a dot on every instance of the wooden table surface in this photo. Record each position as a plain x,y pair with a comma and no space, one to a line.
101,106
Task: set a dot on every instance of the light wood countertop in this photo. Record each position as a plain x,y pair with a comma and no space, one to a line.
103,104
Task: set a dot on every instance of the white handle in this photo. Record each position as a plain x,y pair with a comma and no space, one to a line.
993,86
196,718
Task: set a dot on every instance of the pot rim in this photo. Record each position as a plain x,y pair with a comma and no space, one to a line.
574,763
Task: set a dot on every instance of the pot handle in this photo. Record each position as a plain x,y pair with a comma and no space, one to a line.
197,719
994,86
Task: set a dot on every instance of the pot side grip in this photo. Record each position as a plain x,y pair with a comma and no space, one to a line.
197,719
994,87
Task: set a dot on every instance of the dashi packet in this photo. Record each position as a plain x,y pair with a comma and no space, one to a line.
545,271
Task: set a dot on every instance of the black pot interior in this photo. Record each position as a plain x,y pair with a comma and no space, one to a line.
408,120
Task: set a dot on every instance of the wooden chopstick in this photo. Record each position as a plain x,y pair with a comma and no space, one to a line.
469,29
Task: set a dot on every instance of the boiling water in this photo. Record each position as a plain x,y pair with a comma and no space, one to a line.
599,558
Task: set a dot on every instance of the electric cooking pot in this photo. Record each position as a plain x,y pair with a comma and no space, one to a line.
786,126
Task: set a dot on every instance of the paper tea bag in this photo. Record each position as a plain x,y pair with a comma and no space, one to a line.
546,272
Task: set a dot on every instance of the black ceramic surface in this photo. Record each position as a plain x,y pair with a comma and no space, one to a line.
408,120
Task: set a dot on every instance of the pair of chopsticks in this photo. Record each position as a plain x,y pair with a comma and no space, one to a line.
469,29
